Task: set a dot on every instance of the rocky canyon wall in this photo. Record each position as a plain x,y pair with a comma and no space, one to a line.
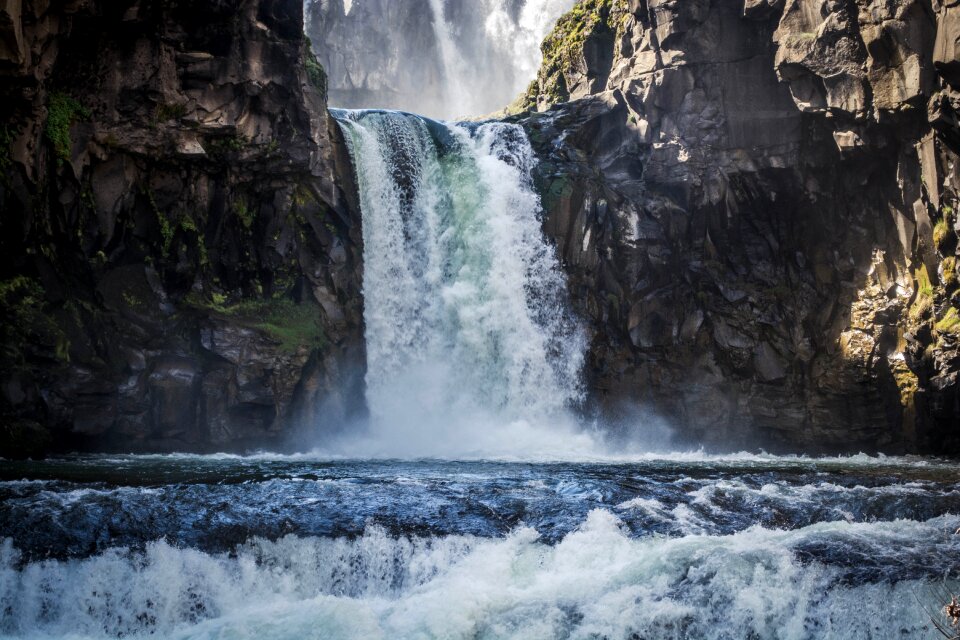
179,267
756,204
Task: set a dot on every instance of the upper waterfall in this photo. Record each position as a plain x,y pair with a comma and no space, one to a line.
467,321
443,58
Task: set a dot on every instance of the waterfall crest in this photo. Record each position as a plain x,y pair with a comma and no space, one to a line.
467,321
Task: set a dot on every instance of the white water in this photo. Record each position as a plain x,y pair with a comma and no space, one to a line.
596,583
456,98
519,40
482,81
471,348
446,59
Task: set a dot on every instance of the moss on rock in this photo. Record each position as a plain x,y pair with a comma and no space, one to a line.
563,47
62,112
948,269
290,324
27,323
923,301
949,323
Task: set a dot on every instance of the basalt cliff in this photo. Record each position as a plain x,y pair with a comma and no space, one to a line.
754,203
180,268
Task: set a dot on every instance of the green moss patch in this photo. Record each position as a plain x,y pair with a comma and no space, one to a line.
949,268
564,45
923,302
949,323
62,112
290,324
316,74
244,213
27,324
943,237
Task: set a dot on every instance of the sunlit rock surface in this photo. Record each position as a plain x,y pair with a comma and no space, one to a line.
755,203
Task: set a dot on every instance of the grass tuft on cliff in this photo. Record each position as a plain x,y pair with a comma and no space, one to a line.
564,45
290,324
62,112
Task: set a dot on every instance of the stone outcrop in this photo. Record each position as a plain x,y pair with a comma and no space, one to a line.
179,260
756,205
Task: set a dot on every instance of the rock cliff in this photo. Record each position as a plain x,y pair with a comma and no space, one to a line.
756,204
179,266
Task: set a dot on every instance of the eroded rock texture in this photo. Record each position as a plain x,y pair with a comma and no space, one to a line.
179,266
756,204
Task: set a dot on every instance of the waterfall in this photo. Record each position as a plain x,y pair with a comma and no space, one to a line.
517,35
467,323
456,97
443,58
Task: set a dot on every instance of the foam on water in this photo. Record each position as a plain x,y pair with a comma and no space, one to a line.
596,582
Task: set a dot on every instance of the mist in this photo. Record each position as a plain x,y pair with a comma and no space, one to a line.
446,59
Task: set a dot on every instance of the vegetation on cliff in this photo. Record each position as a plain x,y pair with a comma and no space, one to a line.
62,112
563,51
291,325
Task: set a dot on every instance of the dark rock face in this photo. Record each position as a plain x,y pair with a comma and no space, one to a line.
756,205
179,260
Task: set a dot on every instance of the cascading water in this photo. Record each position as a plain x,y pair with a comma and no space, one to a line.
474,360
470,341
443,58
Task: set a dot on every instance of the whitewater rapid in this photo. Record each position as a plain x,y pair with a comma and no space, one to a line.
195,547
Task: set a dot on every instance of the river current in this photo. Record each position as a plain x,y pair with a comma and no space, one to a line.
675,546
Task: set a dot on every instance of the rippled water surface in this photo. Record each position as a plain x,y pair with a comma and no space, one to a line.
684,546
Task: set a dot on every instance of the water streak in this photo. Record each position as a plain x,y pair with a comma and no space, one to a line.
443,58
